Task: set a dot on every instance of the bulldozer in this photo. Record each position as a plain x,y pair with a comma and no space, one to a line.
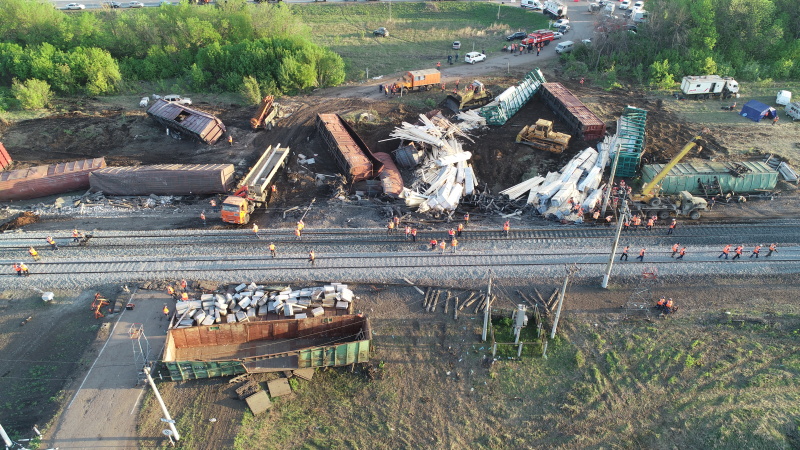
473,96
541,136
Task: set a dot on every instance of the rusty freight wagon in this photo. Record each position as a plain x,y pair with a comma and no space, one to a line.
391,180
265,346
350,152
39,181
566,106
196,124
164,179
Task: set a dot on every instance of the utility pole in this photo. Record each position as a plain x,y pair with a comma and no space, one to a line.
168,418
4,436
486,311
624,215
570,270
498,13
611,177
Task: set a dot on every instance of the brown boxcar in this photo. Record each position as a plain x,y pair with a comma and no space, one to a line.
197,124
164,179
571,110
39,181
391,180
350,152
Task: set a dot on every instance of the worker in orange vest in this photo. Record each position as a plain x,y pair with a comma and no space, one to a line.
626,224
773,248
301,225
682,253
171,291
624,253
649,224
185,297
668,307
442,246
389,228
506,227
396,221
52,242
24,269
184,284
641,255
75,235
203,217
451,234
255,229
272,249
433,244
756,251
466,219
312,258
460,229
408,232
738,252
662,302
166,311
675,250
725,251
413,235
297,234
18,269
672,226
34,254
454,244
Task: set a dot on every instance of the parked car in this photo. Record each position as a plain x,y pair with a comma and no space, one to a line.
564,29
473,57
135,5
638,6
166,3
586,41
381,32
557,35
456,45
112,4
178,99
76,6
559,23
517,35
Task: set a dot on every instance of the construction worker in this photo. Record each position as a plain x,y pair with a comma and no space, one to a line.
18,269
624,253
434,244
389,228
459,229
466,219
396,221
756,251
185,297
203,217
454,244
184,284
641,254
301,225
650,224
76,236
626,223
255,229
312,258
738,252
725,251
272,249
451,234
672,226
230,140
668,307
166,311
609,218
442,246
213,203
413,235
773,248
682,253
52,242
662,302
297,234
408,232
596,216
674,249
24,269
34,254
636,222
506,227
171,292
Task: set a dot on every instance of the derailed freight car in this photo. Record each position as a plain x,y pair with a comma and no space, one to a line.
714,178
196,124
391,180
352,155
164,179
265,346
39,181
566,106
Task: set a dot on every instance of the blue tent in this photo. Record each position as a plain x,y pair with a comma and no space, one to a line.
755,111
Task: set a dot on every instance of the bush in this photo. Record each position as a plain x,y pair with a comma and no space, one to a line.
250,90
32,93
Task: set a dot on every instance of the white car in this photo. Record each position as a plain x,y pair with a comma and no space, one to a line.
473,57
178,99
76,6
625,4
638,6
557,35
586,41
558,23
135,5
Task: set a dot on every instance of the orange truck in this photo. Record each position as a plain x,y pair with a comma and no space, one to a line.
253,190
420,80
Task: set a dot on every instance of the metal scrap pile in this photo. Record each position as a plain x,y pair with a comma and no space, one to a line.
444,175
578,182
254,302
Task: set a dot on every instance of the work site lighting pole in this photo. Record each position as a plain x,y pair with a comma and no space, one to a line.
620,220
169,420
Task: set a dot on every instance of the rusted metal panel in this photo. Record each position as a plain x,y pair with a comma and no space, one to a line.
5,158
391,180
164,179
200,125
39,181
573,111
350,152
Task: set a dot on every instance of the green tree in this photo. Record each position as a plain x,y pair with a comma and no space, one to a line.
32,93
660,75
250,90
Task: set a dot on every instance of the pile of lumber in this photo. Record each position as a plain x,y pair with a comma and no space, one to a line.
440,300
253,302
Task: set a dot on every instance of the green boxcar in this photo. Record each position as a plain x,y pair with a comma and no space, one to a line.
733,177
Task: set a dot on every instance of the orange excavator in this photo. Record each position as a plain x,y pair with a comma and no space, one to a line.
98,304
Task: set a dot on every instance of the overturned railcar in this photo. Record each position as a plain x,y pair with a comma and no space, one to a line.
195,124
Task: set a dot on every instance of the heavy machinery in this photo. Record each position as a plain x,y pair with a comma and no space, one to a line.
419,80
473,96
268,111
541,136
650,203
254,189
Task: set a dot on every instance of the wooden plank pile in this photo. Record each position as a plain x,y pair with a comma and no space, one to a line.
253,302
438,299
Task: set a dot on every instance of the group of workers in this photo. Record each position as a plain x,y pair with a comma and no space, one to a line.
679,250
666,306
21,269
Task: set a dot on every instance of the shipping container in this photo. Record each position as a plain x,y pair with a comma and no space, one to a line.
580,119
40,181
265,346
164,179
350,152
5,158
197,124
391,180
731,177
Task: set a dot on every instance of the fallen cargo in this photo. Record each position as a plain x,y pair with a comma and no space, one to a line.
714,178
350,152
197,124
572,111
268,346
40,181
391,180
164,179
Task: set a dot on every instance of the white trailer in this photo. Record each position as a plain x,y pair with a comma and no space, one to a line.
707,86
555,9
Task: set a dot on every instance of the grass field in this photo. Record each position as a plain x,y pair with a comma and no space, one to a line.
420,34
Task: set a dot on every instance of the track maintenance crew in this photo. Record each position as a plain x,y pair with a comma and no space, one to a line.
184,284
24,268
442,246
297,234
451,234
34,254
662,302
165,311
672,226
738,252
506,227
459,229
76,236
641,254
18,269
675,250
389,228
454,244
434,243
725,251
668,307
52,242
682,253
414,235
626,224
171,292
636,222
466,219
203,217
301,225
773,248
272,249
408,232
649,224
185,297
312,258
624,253
396,221
255,229
756,251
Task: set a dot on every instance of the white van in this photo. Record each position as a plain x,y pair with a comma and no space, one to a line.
793,110
565,47
531,4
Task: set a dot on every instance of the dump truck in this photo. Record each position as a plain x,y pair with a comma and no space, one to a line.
650,203
420,80
708,86
541,136
266,114
253,190
474,96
